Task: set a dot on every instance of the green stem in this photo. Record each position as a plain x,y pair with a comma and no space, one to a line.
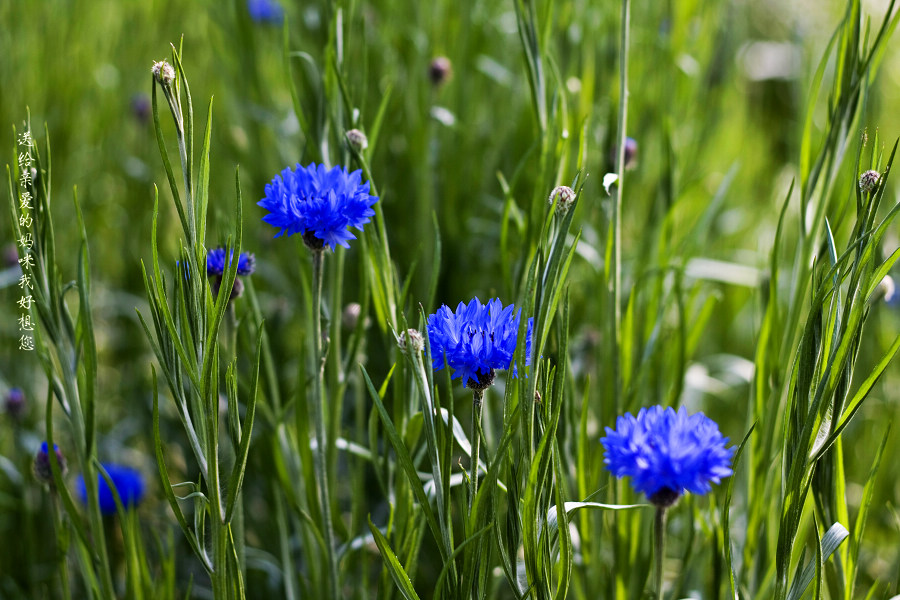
218,526
659,547
319,418
477,406
237,520
615,279
287,565
85,455
57,528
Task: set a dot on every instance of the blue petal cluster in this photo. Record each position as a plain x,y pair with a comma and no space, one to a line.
667,453
318,203
129,484
265,11
476,339
215,262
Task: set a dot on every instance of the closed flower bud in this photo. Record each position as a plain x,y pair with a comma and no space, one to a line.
43,471
888,289
357,140
14,403
10,256
141,108
566,198
631,148
440,70
350,316
412,339
163,73
868,181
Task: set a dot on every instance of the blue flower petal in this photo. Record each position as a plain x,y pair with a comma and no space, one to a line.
215,262
129,483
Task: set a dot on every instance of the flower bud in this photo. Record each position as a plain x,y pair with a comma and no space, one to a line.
566,198
141,108
163,73
10,256
43,471
357,140
631,148
14,403
412,339
868,181
888,289
350,316
440,70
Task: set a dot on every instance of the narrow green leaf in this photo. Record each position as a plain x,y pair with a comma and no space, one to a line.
240,463
394,567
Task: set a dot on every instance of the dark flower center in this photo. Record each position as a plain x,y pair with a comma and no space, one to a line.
312,242
664,498
236,290
483,382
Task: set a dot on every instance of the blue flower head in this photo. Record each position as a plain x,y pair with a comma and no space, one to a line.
476,339
129,484
265,11
215,262
667,453
318,203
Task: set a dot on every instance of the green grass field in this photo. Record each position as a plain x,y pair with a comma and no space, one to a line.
735,268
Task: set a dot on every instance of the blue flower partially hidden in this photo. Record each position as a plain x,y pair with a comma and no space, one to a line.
476,340
215,262
666,453
129,484
265,11
318,203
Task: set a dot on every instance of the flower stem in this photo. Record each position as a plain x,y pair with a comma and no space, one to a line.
477,405
659,552
615,277
321,467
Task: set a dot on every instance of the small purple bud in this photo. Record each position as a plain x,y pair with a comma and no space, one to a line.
868,181
10,255
440,70
42,469
15,402
140,108
631,149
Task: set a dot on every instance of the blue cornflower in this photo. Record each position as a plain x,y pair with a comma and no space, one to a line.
476,340
215,262
129,484
667,453
265,11
319,204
